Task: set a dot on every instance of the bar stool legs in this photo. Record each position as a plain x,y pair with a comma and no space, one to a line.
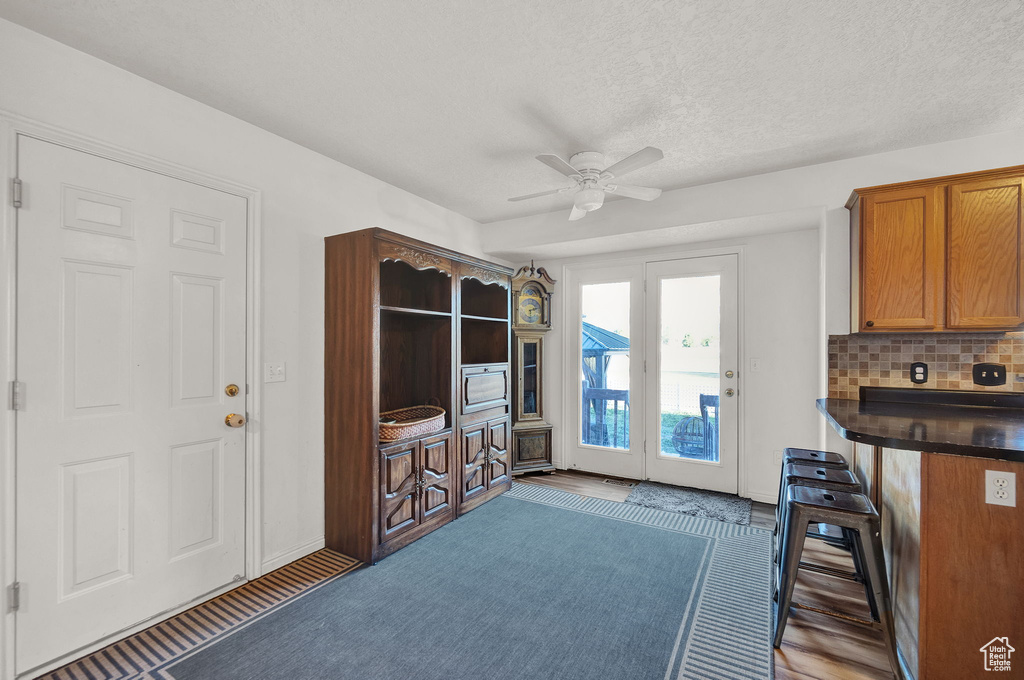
794,535
854,514
881,605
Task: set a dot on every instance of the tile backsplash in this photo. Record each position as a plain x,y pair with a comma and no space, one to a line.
884,360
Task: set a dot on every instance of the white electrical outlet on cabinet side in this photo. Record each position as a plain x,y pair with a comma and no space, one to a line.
1001,488
274,372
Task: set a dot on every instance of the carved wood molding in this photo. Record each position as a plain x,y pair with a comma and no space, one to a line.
417,259
531,272
488,276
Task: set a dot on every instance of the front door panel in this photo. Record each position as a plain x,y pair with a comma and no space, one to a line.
131,322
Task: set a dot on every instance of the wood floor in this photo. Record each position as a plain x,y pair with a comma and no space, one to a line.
815,647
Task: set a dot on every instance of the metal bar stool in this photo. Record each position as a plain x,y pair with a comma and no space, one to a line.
854,513
834,479
812,457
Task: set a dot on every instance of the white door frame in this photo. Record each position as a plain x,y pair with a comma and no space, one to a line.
12,125
569,408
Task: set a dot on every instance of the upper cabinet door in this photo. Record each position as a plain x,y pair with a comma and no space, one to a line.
901,260
985,279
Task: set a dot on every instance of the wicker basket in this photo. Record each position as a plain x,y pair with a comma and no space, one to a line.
414,421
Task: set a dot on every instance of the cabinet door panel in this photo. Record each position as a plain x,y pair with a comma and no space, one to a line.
474,451
531,449
398,490
985,283
901,265
484,387
497,443
437,488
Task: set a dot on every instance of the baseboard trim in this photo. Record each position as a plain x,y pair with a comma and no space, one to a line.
770,499
282,558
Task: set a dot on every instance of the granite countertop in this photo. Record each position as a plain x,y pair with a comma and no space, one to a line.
937,428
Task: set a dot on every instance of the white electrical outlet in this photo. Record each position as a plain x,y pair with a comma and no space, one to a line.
274,372
1001,488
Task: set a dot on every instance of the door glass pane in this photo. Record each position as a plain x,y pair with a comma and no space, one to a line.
689,382
529,377
605,370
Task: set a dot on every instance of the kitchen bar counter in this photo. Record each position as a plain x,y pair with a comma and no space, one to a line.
954,561
937,428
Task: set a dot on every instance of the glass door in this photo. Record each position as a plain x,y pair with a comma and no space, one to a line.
608,309
691,356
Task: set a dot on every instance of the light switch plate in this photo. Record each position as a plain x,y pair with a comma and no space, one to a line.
1001,488
274,372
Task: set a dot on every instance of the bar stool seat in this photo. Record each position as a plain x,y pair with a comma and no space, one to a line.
835,479
854,513
826,459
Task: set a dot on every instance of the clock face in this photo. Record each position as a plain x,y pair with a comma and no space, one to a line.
529,305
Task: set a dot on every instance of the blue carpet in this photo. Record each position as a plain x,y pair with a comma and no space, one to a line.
536,584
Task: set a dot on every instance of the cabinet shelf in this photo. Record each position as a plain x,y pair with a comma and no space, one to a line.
414,311
496,319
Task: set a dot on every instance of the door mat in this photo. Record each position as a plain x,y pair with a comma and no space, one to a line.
696,502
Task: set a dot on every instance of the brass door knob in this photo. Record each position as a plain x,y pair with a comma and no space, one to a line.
729,374
729,392
234,420
231,390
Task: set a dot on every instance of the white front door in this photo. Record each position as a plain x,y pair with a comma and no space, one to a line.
692,374
131,324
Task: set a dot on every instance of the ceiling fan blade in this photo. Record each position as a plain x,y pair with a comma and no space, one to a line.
556,163
542,193
638,160
630,191
577,214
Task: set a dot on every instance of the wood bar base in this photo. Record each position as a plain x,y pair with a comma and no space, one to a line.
955,562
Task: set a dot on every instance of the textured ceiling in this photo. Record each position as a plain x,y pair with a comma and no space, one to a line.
452,99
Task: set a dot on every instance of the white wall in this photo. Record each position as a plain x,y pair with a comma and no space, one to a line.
779,326
305,196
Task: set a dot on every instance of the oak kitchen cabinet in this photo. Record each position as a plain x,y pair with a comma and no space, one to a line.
940,254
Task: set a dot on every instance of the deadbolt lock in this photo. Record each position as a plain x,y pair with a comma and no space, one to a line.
231,390
234,420
730,392
729,374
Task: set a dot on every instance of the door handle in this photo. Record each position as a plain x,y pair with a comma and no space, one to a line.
729,374
234,420
730,392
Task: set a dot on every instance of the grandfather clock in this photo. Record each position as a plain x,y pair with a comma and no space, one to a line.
531,310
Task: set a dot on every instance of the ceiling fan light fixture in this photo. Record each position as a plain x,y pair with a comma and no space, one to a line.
588,199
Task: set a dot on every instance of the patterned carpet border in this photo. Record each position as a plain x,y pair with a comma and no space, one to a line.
724,641
140,654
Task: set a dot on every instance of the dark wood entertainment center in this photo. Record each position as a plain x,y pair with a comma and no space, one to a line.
407,323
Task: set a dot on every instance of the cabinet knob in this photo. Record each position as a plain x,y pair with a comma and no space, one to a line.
869,324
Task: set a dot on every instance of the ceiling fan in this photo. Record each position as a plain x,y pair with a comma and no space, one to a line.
591,183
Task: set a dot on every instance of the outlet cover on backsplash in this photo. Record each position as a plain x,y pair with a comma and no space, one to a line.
884,360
